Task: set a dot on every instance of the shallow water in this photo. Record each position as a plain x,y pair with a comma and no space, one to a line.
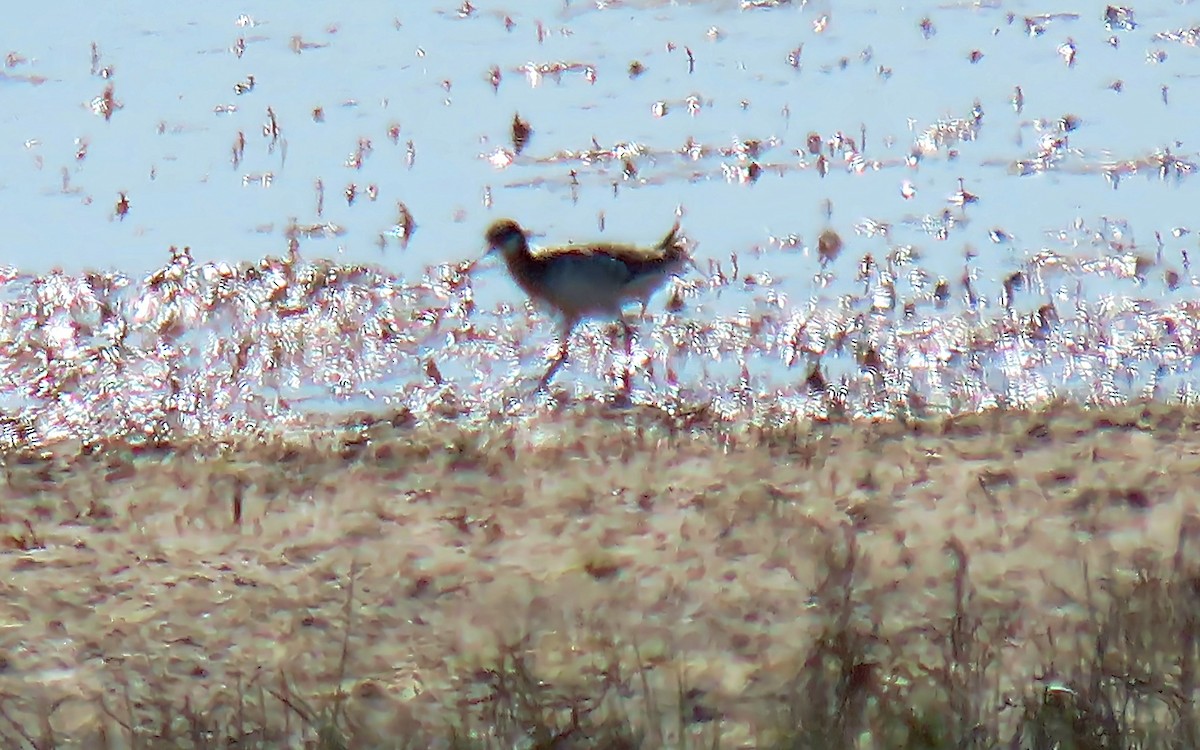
1058,266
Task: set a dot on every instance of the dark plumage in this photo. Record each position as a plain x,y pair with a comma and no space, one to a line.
592,280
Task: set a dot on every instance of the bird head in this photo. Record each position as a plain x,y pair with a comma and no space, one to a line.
507,237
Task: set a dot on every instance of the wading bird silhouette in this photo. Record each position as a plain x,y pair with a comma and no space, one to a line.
591,280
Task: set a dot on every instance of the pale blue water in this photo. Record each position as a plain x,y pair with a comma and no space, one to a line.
866,70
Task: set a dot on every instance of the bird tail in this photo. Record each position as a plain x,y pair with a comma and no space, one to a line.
674,245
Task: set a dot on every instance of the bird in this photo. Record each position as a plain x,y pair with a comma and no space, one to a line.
592,280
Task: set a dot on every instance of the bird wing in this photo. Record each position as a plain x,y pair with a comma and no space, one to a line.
590,268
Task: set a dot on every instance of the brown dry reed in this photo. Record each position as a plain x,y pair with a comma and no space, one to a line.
610,578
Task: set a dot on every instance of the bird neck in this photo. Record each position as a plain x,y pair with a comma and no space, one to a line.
524,269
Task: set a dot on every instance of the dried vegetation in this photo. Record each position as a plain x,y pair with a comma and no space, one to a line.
612,579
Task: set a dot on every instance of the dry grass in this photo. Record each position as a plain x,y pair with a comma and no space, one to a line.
609,579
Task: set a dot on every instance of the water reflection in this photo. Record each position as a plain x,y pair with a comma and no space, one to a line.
219,349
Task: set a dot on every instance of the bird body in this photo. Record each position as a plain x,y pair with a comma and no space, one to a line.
586,280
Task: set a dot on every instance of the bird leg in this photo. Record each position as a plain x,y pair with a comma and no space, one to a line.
561,358
629,333
627,372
